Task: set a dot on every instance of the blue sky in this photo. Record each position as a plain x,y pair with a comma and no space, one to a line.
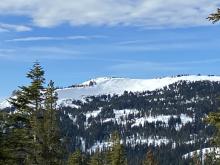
76,41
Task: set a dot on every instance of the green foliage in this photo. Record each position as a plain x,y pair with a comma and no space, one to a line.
117,154
150,160
196,159
95,159
215,17
210,159
214,119
52,149
35,131
75,158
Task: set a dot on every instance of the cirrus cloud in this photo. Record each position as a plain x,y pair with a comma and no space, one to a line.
12,27
46,38
146,13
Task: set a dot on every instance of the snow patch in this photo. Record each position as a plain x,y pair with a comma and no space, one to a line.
163,118
132,141
67,103
204,151
93,114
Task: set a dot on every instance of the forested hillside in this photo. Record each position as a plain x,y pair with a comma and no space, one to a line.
166,123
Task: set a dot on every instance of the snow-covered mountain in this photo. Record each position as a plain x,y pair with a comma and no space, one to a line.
4,104
168,120
109,85
106,85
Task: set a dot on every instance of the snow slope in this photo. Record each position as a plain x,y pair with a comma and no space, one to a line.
204,151
107,85
4,104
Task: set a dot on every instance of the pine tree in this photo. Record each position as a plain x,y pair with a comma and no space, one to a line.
150,160
75,158
6,150
117,155
36,121
20,137
210,159
53,150
195,159
95,159
215,17
214,119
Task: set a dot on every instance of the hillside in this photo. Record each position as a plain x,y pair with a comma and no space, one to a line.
165,115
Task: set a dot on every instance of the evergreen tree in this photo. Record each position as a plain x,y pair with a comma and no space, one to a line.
6,156
150,160
117,155
96,159
52,149
214,119
29,101
19,134
75,158
195,159
210,159
36,122
215,17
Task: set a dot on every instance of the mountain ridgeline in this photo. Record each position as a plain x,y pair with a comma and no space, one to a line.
169,121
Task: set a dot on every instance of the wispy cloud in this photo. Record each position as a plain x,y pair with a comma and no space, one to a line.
168,44
147,13
161,66
7,50
38,53
145,66
12,27
130,42
46,38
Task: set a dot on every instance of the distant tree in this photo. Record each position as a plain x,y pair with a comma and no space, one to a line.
195,159
117,154
214,17
75,158
214,119
95,159
210,159
150,160
6,151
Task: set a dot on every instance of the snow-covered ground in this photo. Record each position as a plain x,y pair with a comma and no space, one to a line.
163,118
121,118
155,141
107,85
204,151
92,114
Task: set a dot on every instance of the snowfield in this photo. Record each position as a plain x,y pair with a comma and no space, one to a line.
112,86
163,118
108,85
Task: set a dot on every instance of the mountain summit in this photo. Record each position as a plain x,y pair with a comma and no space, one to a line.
109,85
112,85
